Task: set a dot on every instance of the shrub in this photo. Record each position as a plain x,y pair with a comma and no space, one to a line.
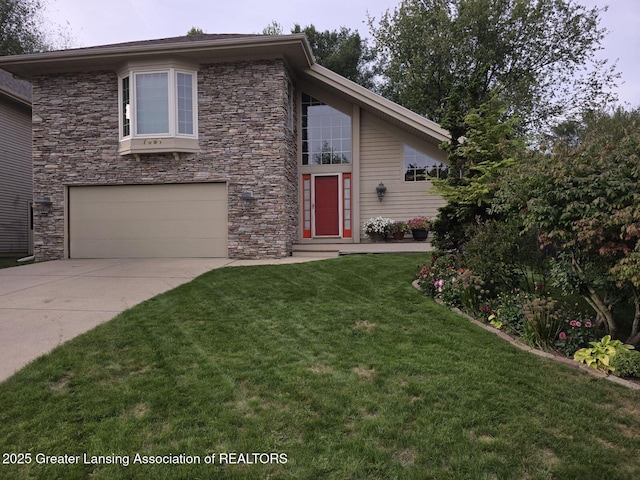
502,255
626,363
601,353
506,309
455,225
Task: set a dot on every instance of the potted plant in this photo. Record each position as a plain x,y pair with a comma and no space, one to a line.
398,229
377,228
419,228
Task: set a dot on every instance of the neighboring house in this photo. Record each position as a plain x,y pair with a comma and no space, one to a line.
215,146
16,182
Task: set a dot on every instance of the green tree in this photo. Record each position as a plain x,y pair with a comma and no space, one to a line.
195,31
444,58
342,51
20,27
582,198
477,163
274,28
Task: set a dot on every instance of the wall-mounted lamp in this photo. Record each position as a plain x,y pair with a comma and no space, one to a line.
247,198
43,204
381,189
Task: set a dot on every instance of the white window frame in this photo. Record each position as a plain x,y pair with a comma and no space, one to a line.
171,141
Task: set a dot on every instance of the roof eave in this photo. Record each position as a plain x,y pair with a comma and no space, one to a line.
295,48
15,98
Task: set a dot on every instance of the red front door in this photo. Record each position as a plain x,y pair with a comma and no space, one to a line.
327,205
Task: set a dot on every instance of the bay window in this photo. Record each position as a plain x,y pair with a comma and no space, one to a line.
158,110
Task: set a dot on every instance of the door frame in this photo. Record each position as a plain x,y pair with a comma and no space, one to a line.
313,205
345,205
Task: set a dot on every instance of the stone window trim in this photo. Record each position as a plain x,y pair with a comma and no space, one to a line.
178,139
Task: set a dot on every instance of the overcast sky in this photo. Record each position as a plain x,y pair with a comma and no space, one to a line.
100,22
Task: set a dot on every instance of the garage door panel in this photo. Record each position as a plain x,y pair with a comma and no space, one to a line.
129,221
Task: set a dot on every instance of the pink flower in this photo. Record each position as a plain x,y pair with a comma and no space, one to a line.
562,336
573,323
587,324
578,324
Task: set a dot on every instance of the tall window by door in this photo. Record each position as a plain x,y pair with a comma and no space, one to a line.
326,134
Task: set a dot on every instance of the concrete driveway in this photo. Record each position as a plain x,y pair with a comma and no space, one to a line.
45,304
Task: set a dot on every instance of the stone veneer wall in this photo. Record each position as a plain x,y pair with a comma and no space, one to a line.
244,139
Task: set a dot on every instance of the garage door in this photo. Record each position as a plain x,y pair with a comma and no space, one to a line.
136,221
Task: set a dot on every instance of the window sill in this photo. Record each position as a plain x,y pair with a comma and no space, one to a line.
175,145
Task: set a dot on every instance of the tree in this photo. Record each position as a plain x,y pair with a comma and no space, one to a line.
20,28
444,58
195,31
341,51
491,146
274,28
582,198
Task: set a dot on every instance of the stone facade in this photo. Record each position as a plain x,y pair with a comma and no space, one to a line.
244,135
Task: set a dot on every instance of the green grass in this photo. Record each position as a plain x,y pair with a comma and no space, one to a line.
6,262
340,364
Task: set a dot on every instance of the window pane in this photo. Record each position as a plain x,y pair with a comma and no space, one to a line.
185,103
152,103
419,167
326,134
126,113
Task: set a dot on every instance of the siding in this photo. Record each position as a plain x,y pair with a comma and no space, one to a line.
381,160
15,176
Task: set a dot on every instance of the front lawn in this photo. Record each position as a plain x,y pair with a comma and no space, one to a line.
340,368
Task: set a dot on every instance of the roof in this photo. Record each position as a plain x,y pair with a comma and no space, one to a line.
212,48
376,104
197,48
14,88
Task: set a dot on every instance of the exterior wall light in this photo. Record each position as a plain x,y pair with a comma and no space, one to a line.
381,189
43,205
247,198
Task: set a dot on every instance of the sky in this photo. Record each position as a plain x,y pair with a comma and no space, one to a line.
100,22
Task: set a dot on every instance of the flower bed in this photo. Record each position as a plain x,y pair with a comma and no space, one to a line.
533,318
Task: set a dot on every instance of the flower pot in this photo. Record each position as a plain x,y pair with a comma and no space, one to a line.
420,234
398,236
377,237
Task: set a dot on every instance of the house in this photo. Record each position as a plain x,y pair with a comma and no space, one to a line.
236,146
16,185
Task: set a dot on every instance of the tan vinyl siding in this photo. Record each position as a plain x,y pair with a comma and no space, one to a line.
381,160
16,184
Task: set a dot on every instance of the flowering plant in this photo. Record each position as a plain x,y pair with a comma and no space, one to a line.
419,223
438,279
379,225
399,227
578,330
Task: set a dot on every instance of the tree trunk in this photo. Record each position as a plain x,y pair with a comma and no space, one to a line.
634,336
601,309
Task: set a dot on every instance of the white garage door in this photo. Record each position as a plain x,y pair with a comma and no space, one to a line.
136,221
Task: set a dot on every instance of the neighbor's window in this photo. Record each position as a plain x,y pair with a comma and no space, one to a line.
326,134
419,167
158,104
